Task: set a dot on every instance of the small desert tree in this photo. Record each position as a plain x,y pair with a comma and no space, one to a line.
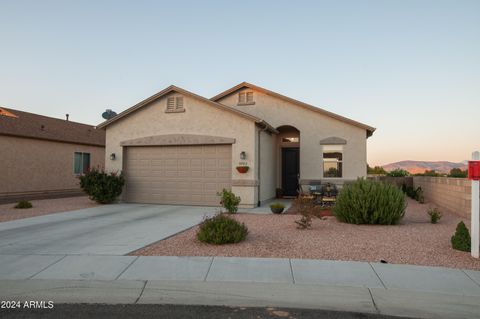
229,201
305,207
457,172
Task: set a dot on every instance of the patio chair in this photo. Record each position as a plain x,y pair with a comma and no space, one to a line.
304,191
329,195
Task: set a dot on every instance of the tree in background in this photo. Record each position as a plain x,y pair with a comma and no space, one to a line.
398,173
377,170
431,173
457,172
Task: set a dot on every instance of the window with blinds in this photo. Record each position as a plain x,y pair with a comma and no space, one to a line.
175,104
81,163
245,98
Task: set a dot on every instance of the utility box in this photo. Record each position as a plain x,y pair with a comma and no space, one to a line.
474,170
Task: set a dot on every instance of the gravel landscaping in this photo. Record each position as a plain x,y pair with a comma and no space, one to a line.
415,241
45,207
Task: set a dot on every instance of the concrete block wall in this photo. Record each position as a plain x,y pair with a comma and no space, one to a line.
397,181
448,194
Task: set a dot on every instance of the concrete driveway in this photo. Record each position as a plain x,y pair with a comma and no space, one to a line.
105,230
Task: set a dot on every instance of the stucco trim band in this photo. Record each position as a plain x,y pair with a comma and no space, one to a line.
333,140
178,139
245,182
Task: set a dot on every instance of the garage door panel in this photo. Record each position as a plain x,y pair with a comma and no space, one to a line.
210,163
223,174
210,174
196,174
190,175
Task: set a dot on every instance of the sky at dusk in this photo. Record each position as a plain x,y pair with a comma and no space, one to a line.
409,68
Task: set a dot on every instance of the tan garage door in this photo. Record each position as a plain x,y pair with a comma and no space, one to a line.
185,175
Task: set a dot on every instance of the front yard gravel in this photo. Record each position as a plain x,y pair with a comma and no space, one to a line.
45,207
415,241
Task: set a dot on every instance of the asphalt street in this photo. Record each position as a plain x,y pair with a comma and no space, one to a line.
74,311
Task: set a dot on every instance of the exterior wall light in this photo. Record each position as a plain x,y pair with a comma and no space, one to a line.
112,156
243,155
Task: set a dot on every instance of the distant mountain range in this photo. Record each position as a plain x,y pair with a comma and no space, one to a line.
421,166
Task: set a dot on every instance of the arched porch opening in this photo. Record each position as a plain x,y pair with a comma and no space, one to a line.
288,147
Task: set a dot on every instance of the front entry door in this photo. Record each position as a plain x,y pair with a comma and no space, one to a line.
290,170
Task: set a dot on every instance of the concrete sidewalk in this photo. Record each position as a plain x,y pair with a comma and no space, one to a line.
320,284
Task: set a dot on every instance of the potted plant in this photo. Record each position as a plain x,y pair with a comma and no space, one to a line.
277,208
242,169
279,193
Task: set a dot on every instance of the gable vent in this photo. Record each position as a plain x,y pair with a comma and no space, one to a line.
249,97
241,98
179,100
171,103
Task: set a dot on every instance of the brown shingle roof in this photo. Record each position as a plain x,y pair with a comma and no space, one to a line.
48,128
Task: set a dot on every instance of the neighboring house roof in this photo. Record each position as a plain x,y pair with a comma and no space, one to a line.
217,97
4,112
173,88
29,125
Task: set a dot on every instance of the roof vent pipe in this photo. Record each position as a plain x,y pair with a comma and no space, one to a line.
66,115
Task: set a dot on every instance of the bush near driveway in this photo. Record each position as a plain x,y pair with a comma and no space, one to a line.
221,229
370,202
102,187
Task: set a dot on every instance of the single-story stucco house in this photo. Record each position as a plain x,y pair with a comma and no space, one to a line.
177,147
41,156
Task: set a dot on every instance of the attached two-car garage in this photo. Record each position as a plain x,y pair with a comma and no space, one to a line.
182,174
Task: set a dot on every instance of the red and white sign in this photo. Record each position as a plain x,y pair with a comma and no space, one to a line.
474,175
474,170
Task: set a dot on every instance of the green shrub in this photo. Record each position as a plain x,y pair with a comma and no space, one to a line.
102,187
221,229
409,191
23,204
461,240
435,215
370,202
398,173
419,195
229,201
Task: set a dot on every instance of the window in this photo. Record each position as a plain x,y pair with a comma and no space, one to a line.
332,161
175,104
81,163
290,140
245,98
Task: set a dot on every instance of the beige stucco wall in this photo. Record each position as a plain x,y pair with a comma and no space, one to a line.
30,165
451,194
313,127
268,165
199,118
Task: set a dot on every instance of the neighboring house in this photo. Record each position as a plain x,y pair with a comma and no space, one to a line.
177,147
41,157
